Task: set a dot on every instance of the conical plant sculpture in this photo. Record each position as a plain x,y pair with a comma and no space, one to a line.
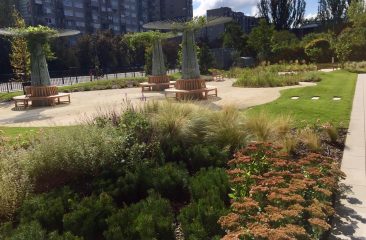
153,40
191,76
190,67
37,39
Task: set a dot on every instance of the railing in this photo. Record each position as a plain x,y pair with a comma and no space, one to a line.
66,78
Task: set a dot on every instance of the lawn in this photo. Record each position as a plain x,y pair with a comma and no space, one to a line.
306,111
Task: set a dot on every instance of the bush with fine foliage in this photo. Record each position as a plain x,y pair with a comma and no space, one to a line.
48,209
14,183
67,154
88,217
209,194
151,218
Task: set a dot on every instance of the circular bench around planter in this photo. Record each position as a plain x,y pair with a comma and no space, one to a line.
190,84
39,92
159,80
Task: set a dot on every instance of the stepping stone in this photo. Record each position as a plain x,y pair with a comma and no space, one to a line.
337,99
315,98
295,98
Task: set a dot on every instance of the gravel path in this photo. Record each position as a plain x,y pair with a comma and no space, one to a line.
86,104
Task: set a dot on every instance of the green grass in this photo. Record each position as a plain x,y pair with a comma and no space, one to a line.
5,97
306,111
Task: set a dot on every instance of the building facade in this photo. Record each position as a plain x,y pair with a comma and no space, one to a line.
121,16
247,23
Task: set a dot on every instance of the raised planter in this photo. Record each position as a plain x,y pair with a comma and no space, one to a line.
159,80
190,84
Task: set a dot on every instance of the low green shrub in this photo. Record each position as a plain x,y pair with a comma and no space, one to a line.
200,218
31,230
209,197
210,182
88,217
356,67
262,78
68,154
204,156
14,182
103,85
48,209
151,218
64,236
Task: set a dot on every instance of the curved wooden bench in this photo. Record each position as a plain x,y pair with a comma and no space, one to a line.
48,94
180,94
148,87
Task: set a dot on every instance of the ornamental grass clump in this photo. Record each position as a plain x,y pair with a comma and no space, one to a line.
277,197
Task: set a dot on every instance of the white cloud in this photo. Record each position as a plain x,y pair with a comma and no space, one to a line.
311,15
237,5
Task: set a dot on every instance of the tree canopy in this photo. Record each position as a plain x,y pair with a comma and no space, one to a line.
284,14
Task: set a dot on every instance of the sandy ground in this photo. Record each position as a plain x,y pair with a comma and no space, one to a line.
87,104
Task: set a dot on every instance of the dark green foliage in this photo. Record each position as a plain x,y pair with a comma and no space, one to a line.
202,156
32,230
209,192
151,218
205,58
65,236
139,140
199,219
211,182
47,209
319,51
130,186
88,218
171,181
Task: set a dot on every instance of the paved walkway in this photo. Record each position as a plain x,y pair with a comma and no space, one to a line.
351,222
92,103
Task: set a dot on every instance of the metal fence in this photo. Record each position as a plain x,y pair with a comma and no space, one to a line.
7,85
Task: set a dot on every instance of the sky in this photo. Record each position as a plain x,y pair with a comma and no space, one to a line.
246,6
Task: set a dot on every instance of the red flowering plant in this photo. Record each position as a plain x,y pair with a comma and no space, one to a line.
276,197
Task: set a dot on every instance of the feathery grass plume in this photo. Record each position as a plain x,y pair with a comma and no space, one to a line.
226,128
332,132
310,138
289,143
261,125
283,125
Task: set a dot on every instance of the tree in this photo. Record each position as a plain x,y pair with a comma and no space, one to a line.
343,46
284,14
205,57
20,56
233,37
260,39
332,10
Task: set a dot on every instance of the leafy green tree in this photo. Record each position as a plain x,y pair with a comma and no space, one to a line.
260,39
343,46
205,58
332,10
233,36
20,56
284,14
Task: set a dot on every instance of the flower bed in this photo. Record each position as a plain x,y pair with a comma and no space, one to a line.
276,197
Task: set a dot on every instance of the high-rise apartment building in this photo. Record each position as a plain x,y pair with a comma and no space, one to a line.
247,23
121,16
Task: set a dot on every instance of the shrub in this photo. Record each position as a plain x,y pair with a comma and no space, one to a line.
151,218
32,230
199,218
64,236
209,193
88,218
68,154
14,183
210,182
356,67
171,181
203,156
47,209
319,50
274,196
261,77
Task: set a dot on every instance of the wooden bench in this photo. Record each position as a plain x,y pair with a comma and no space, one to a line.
49,94
148,87
217,76
205,90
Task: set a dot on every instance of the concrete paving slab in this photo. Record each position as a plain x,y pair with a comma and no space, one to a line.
350,222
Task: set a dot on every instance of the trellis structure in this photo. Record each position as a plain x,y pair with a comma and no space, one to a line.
37,39
190,66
